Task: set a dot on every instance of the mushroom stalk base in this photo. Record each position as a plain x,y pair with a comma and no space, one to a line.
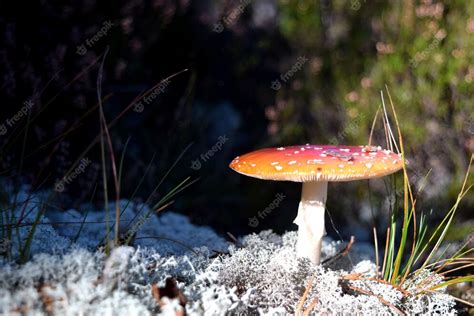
310,220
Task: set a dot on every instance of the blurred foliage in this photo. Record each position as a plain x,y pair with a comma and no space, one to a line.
422,51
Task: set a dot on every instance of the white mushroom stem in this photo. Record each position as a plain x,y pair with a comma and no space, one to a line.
310,220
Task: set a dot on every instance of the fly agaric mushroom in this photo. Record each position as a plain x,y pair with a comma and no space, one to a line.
315,166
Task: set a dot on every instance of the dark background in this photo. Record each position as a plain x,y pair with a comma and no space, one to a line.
423,52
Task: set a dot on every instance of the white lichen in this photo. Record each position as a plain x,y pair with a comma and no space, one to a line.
261,276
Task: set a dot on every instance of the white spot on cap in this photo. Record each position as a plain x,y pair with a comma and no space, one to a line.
323,155
314,161
278,167
345,149
369,165
341,166
297,152
302,149
274,163
318,148
253,165
281,148
395,161
292,162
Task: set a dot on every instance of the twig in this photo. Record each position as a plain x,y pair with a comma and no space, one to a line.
385,128
381,299
311,306
452,296
299,308
385,255
103,123
376,244
155,292
357,277
234,240
390,133
373,126
462,301
454,269
341,253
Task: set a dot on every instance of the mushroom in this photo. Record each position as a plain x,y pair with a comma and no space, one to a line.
315,166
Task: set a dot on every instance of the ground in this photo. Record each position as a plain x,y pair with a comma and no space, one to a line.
175,266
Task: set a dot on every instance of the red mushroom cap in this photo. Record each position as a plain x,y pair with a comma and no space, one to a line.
318,163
